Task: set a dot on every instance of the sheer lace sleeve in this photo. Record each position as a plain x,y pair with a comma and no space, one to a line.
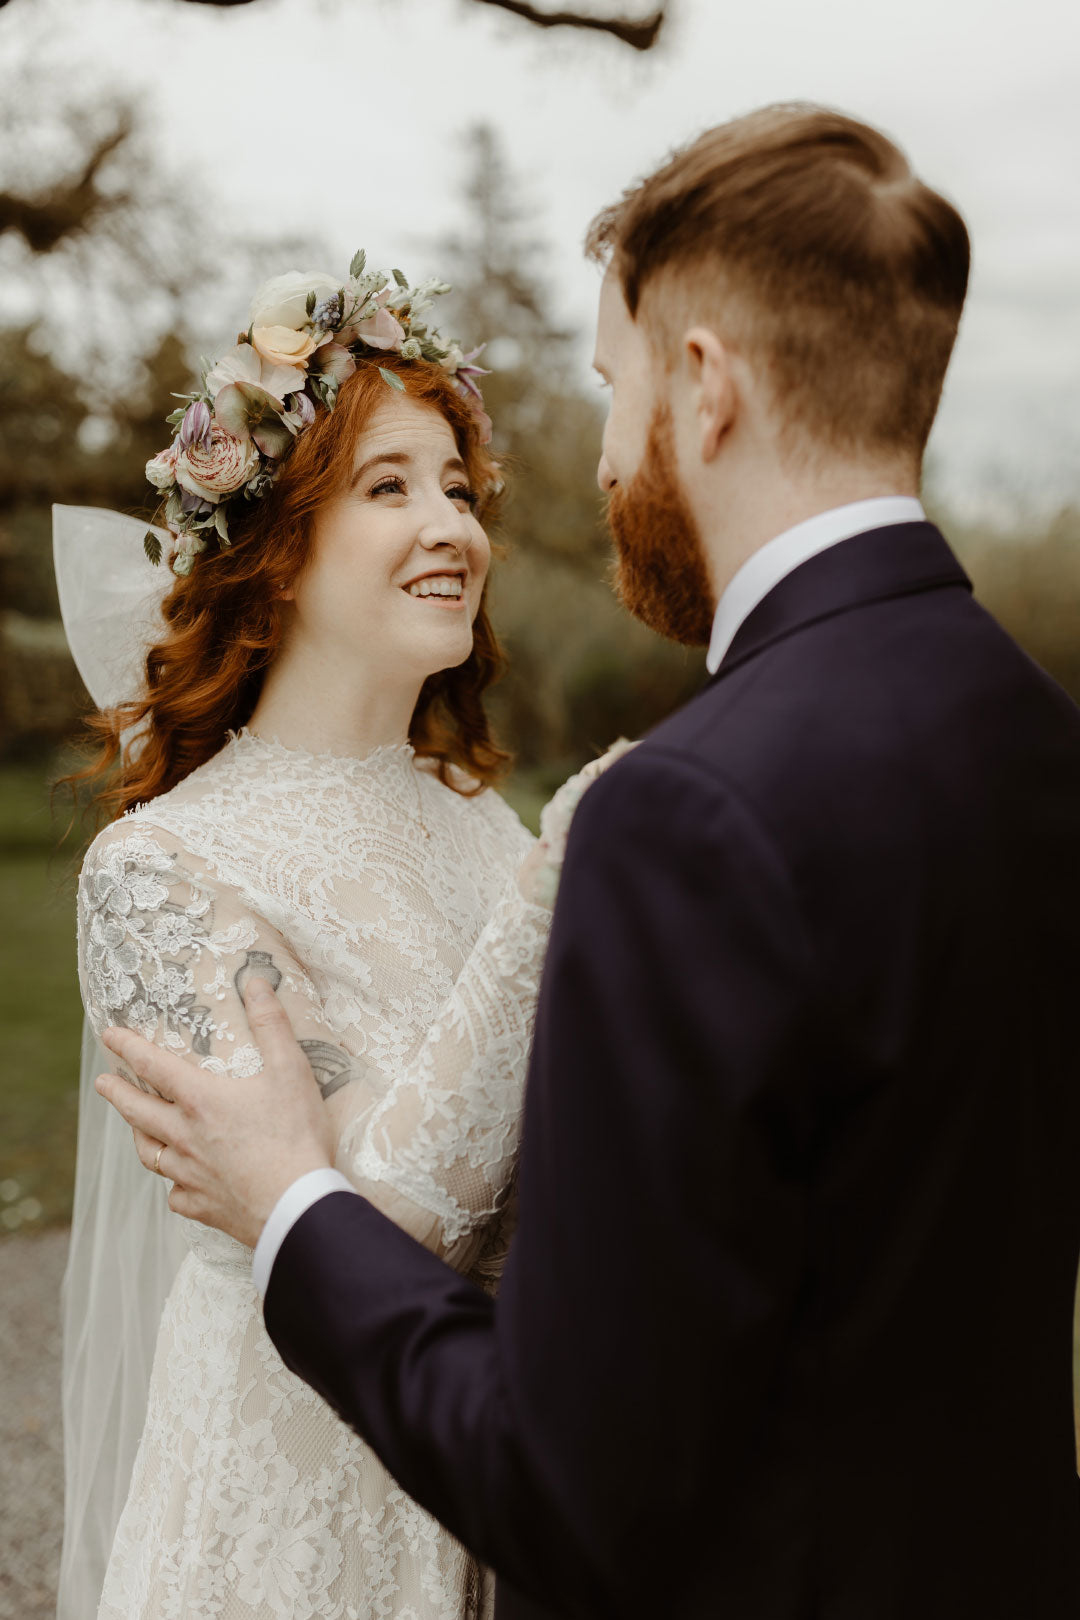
437,1151
164,949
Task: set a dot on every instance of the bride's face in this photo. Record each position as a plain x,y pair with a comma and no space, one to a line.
399,559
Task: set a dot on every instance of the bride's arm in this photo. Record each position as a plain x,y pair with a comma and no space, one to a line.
437,1151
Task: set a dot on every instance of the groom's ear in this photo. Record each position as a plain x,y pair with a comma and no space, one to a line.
710,378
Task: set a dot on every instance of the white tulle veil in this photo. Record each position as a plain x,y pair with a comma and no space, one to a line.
125,1249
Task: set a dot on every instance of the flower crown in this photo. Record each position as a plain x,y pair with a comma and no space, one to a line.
305,336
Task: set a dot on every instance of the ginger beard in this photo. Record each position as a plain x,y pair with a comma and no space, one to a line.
660,572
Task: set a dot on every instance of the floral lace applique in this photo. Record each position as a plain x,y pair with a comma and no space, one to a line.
147,930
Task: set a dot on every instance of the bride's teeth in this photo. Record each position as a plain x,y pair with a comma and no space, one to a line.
437,587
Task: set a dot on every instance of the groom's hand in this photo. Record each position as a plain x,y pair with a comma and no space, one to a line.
230,1147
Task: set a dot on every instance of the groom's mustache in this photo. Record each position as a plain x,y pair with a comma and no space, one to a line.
660,572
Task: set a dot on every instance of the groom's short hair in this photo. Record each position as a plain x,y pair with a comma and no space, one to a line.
805,240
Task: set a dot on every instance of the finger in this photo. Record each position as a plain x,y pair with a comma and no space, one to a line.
271,1028
182,1201
148,1148
151,1115
169,1075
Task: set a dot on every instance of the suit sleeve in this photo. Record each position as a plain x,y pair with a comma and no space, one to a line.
569,1432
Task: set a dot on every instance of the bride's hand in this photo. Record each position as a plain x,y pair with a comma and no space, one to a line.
538,876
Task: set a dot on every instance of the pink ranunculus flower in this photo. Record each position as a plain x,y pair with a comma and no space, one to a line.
161,469
220,470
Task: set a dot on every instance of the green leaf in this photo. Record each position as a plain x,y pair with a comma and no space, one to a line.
310,304
272,436
401,279
221,524
152,546
392,378
356,268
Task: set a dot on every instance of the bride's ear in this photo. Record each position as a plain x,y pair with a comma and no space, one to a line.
712,384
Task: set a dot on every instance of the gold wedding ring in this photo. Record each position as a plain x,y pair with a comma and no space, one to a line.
157,1160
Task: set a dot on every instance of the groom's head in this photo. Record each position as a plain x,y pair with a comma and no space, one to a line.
780,303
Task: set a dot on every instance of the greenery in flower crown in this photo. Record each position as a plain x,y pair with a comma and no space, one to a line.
305,335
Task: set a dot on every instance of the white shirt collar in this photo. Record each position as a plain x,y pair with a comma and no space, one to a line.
777,558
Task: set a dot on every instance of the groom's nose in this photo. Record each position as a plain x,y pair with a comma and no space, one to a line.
605,477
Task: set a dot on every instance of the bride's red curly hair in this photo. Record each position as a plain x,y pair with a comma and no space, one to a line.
224,619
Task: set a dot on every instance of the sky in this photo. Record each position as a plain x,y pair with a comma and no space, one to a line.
341,119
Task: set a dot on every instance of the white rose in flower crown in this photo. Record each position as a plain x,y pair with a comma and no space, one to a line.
282,301
161,469
225,467
281,346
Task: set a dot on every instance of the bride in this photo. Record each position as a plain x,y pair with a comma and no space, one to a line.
308,797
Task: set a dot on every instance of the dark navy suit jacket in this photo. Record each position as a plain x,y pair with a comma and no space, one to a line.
785,1332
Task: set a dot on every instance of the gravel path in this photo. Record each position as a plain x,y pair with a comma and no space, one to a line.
32,1477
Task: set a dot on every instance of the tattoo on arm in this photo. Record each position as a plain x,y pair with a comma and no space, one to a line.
256,965
332,1067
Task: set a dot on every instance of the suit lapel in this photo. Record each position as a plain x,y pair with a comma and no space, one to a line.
900,560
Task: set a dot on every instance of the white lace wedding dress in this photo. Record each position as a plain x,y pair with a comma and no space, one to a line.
384,907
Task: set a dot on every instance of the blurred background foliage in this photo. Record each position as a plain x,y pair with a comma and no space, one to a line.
117,247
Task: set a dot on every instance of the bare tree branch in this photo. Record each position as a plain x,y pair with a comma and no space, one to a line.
51,216
640,35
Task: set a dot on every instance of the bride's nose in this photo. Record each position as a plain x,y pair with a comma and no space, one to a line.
446,525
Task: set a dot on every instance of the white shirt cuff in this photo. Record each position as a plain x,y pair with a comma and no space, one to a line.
293,1203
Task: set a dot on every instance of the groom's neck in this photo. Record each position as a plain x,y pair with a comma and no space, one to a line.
746,508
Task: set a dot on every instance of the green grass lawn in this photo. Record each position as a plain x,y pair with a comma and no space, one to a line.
40,1012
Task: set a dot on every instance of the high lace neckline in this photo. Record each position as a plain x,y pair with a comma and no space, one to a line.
256,741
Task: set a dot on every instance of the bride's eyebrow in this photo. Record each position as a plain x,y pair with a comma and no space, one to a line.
400,458
391,458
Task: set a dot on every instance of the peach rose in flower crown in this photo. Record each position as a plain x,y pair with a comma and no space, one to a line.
281,346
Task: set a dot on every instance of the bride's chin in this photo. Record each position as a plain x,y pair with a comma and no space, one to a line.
446,653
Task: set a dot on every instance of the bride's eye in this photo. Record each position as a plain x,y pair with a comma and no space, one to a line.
462,492
388,486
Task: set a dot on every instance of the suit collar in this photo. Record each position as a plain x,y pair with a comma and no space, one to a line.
900,560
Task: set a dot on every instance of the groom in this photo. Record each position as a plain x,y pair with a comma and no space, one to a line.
785,1331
